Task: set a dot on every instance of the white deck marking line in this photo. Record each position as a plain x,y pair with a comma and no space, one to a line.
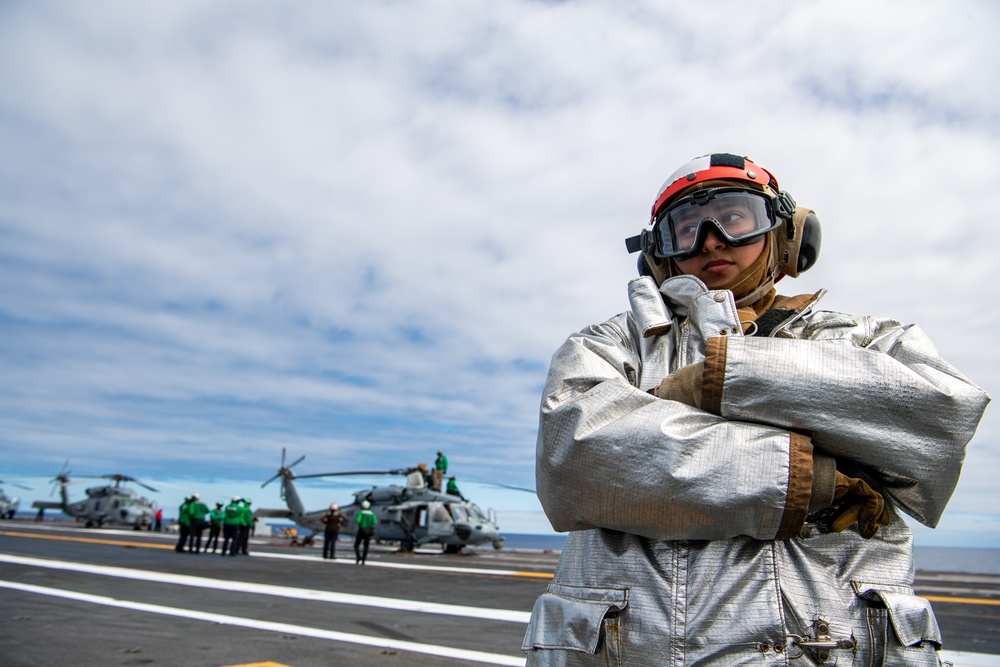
429,649
508,615
967,659
961,658
316,558
409,566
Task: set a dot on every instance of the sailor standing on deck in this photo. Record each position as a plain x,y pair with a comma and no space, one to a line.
366,521
196,515
231,527
332,520
215,519
246,526
183,524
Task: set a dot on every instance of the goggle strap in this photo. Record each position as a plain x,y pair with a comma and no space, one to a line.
634,243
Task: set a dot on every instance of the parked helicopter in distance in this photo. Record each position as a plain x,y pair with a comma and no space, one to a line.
10,504
412,515
112,504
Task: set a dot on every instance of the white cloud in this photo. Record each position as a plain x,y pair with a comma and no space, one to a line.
365,228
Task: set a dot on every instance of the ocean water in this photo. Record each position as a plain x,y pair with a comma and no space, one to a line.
929,559
957,559
553,542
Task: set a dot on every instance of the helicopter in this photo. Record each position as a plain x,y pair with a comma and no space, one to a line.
10,504
112,504
412,515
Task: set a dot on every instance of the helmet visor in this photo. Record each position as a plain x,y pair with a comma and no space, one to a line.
737,216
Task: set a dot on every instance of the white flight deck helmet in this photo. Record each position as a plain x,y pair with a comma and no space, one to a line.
365,504
794,232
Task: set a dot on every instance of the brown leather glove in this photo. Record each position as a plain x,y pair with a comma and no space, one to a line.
683,385
856,502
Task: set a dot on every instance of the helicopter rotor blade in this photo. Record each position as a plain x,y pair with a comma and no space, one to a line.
62,477
186,489
118,478
355,472
505,486
20,486
64,472
284,469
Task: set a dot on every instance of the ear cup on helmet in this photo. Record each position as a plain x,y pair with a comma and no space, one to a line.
798,243
812,238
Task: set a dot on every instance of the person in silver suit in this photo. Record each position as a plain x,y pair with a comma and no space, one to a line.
731,464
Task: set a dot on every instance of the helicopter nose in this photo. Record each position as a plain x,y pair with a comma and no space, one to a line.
486,532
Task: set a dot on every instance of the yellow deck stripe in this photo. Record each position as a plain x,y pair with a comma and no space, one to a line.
146,545
942,598
92,540
539,575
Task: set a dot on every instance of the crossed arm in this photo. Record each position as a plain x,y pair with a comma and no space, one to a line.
614,456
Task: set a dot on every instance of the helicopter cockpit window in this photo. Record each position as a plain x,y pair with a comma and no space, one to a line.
476,513
440,515
459,512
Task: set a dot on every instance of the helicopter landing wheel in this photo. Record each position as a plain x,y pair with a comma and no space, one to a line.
408,545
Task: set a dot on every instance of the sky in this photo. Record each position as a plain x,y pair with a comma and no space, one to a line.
358,231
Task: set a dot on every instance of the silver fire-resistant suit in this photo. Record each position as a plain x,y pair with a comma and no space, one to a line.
690,542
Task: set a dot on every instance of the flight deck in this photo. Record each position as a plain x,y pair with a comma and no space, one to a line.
74,596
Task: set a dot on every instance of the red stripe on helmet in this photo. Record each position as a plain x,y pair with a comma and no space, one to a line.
701,169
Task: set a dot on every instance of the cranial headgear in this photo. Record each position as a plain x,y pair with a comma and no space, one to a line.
689,203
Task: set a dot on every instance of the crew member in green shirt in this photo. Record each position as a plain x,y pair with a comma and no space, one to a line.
183,525
440,470
231,527
215,519
196,514
246,526
453,488
366,521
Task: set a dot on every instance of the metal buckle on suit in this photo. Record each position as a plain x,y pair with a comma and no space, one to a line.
820,645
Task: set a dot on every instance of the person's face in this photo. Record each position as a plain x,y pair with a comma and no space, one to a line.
719,263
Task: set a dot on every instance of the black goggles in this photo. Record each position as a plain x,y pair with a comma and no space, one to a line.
736,215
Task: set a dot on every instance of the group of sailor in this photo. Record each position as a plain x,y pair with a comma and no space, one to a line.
234,523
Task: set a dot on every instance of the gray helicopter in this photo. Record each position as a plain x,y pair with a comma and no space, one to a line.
10,504
111,504
412,515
